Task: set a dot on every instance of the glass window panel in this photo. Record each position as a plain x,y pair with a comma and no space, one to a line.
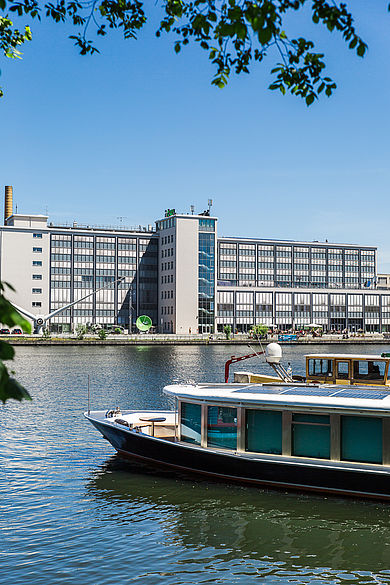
312,418
311,436
361,439
320,367
343,370
264,431
222,427
369,370
190,423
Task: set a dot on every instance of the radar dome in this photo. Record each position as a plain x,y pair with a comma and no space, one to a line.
273,353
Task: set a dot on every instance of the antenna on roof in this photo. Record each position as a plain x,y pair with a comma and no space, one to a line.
192,207
210,203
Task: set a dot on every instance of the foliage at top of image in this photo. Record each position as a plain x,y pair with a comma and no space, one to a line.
234,33
9,387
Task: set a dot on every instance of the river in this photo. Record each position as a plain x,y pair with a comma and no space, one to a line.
73,512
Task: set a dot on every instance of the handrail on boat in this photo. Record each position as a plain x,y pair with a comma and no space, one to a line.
235,359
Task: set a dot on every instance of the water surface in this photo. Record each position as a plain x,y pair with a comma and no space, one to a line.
74,512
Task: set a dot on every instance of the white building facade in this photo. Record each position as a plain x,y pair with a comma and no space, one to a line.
186,278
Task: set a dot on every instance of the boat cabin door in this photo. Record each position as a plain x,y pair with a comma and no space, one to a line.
343,372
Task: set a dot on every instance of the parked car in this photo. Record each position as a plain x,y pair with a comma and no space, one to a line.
17,331
4,331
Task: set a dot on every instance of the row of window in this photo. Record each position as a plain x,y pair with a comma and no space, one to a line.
308,435
167,240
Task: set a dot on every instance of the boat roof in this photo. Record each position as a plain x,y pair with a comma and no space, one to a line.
314,396
355,356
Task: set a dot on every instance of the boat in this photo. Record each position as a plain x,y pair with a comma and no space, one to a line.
321,368
325,438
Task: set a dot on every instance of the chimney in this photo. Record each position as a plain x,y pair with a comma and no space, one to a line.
8,203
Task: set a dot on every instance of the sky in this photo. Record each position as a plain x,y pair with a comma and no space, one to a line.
119,137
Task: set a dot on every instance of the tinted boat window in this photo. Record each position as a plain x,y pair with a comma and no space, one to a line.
263,431
320,367
222,427
190,428
361,439
311,435
369,370
342,370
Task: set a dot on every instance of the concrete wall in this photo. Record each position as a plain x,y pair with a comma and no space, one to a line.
187,274
17,256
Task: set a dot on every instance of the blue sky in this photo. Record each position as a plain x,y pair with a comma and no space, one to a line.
137,129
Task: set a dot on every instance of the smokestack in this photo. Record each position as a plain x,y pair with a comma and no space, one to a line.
8,203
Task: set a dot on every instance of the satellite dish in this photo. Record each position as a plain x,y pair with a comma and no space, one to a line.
143,323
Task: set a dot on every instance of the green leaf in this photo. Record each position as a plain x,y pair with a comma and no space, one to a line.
11,389
7,352
309,99
361,49
265,35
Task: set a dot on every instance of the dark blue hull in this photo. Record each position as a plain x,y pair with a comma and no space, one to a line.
316,477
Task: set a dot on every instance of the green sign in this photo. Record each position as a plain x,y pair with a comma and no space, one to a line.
170,212
143,323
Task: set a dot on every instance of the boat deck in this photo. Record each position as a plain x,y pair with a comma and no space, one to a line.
138,420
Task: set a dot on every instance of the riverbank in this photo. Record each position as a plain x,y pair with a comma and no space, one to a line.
191,340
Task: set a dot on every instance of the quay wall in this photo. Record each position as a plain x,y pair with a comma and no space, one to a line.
190,340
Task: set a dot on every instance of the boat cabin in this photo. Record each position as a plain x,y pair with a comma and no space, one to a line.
292,422
369,370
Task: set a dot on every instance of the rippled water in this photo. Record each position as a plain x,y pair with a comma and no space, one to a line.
72,512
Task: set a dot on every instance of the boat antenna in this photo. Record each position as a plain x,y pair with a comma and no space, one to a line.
88,396
254,351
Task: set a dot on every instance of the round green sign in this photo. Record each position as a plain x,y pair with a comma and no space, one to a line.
143,323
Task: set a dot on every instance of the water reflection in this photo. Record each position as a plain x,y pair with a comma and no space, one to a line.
264,526
70,516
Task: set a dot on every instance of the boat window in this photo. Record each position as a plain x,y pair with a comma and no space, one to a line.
311,435
222,427
320,367
263,431
361,439
342,370
369,370
190,428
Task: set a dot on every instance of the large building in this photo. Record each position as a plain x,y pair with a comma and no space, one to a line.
51,266
186,278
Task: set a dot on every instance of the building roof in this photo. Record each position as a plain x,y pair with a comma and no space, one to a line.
227,239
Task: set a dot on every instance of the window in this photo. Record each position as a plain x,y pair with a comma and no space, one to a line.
37,249
190,429
222,427
37,263
36,304
36,291
342,370
361,439
311,435
37,235
263,431
321,368
367,370
37,276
